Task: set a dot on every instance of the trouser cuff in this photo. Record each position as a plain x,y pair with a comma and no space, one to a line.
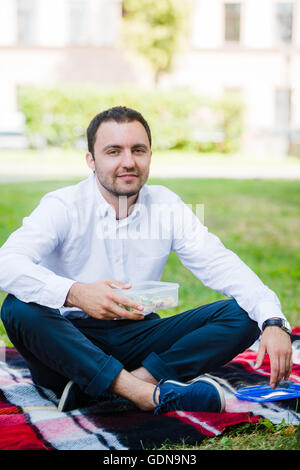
158,368
103,380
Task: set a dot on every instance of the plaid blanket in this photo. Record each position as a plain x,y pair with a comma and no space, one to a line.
29,418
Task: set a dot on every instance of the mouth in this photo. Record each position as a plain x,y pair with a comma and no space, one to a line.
127,177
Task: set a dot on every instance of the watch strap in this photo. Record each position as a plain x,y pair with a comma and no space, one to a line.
276,322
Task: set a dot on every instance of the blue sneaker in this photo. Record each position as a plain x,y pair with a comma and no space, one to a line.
203,394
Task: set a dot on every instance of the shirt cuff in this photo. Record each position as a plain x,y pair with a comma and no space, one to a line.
265,310
55,291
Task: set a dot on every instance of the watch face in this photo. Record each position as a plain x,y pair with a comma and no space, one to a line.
287,325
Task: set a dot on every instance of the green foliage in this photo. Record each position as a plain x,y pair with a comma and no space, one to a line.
62,115
231,110
155,30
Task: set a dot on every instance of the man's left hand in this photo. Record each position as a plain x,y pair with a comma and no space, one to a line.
277,344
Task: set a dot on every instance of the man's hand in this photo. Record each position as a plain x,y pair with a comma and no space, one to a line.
277,344
99,300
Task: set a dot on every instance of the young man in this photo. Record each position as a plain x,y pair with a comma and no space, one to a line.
62,266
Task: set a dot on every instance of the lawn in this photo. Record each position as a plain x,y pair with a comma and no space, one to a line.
257,219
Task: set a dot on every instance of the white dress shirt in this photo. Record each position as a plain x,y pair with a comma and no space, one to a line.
73,236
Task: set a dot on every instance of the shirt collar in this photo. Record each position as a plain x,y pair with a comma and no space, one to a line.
105,209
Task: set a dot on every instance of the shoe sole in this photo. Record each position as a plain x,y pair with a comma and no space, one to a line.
64,396
208,380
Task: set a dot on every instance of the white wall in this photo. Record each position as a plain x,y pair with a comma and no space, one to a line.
8,96
207,24
257,24
51,23
295,82
104,20
7,22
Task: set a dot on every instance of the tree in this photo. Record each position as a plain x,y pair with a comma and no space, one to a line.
156,29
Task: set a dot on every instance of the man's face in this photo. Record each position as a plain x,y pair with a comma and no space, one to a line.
122,157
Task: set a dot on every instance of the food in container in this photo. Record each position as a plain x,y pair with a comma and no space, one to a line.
153,295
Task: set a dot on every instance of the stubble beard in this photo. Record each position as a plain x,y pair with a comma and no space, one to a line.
111,186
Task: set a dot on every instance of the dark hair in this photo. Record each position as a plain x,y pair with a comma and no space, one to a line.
119,114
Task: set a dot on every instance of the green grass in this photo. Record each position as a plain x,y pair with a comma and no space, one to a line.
257,219
261,436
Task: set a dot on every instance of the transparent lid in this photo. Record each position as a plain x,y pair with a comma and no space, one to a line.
152,286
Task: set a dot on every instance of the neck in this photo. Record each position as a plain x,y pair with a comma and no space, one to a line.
121,204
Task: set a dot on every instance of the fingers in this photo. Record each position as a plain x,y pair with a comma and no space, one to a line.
280,363
275,371
260,356
277,344
119,312
117,284
289,365
121,299
105,304
123,307
281,366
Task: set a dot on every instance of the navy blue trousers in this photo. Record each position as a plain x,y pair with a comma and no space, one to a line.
93,352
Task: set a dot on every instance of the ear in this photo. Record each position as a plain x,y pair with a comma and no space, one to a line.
90,161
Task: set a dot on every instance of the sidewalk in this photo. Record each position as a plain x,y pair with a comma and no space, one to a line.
57,165
225,172
11,175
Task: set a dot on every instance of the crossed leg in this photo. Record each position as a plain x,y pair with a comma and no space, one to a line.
126,357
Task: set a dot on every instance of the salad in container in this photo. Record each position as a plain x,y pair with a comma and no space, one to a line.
153,295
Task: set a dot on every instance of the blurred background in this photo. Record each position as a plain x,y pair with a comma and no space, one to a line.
215,79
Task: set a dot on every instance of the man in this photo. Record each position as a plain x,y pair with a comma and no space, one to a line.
66,317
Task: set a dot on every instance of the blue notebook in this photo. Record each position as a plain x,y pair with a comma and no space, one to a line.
263,393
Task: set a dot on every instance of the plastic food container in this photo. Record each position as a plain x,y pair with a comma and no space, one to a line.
153,295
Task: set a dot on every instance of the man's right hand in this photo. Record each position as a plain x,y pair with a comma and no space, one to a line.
100,300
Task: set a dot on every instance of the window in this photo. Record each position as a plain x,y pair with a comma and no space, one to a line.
78,22
25,21
284,22
282,107
232,22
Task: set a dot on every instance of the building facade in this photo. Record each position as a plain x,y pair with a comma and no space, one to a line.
248,47
46,43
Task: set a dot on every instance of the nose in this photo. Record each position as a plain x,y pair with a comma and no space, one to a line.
127,160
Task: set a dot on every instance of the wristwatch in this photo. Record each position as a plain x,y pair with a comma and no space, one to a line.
281,322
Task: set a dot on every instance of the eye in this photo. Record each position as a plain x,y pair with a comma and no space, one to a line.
113,152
